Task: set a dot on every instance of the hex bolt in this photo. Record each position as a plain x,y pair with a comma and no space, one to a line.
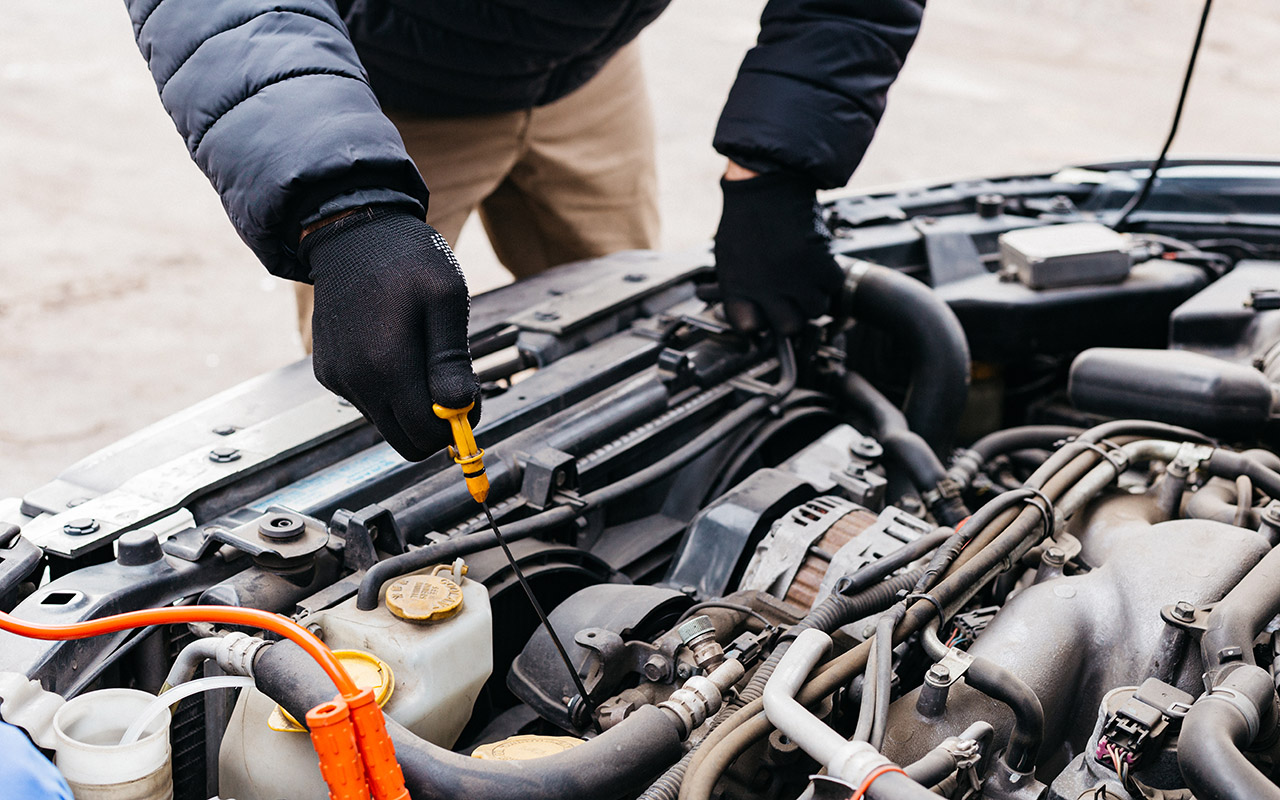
224,430
546,316
1184,611
932,701
635,277
81,527
655,669
224,455
1053,557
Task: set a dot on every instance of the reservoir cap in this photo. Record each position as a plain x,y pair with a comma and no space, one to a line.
424,598
366,670
523,748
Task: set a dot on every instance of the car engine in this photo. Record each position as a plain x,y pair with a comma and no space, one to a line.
1002,525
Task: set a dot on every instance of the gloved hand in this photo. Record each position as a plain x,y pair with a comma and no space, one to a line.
772,261
389,327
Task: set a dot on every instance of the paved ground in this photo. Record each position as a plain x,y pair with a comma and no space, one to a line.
125,294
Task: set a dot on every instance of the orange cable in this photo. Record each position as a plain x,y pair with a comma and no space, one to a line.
227,615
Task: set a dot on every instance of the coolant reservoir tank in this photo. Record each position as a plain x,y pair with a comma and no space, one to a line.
88,729
433,632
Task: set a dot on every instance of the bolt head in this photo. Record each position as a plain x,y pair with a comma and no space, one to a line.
224,430
655,669
546,316
1182,610
81,527
281,527
224,455
635,277
939,673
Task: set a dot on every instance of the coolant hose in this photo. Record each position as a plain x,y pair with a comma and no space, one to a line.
1240,616
912,313
908,448
615,763
1220,724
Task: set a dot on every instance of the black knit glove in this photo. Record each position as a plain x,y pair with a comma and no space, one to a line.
390,324
772,261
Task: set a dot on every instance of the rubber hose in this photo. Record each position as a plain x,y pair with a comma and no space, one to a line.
1216,731
1000,684
911,312
1240,616
968,462
932,768
890,425
904,446
613,764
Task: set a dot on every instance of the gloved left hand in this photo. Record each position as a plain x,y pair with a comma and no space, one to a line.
772,261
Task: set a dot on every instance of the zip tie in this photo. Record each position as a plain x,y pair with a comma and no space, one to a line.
1045,507
876,773
942,615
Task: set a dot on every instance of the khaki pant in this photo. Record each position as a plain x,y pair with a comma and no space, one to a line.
571,180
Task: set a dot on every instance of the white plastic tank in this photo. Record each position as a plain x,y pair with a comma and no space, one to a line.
438,667
88,752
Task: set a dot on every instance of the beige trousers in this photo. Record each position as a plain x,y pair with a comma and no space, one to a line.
571,180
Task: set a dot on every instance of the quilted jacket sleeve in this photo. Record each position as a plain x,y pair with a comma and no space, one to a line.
810,93
277,111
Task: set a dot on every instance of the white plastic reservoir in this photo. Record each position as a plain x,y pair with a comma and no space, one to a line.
88,752
438,666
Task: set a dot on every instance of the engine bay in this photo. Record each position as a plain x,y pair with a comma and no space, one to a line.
1002,525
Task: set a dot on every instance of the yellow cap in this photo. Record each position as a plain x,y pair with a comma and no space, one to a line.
367,670
424,598
523,748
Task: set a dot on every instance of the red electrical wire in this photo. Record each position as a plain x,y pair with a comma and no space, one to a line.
226,615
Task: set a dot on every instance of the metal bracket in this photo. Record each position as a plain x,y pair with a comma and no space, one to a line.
1192,619
957,663
366,531
279,536
546,473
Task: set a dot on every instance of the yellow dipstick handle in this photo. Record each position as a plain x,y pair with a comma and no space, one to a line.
464,450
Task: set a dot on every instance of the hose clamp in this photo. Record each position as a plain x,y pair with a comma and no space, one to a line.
236,651
1240,703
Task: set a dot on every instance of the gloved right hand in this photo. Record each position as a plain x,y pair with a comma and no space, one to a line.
389,327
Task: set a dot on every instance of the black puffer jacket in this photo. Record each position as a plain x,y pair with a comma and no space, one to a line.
277,107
